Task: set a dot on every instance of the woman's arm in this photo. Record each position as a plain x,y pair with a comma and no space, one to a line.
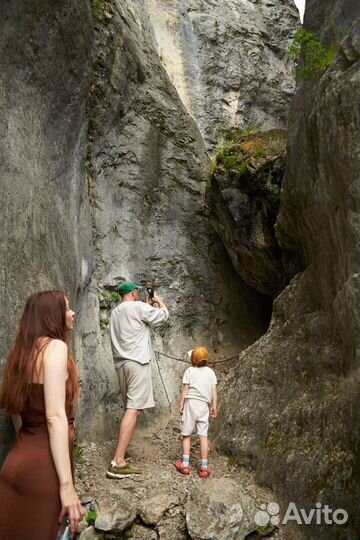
55,374
185,390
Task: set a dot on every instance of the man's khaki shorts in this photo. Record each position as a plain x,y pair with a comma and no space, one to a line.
196,413
136,385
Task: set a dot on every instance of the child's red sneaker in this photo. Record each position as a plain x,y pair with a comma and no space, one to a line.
183,469
205,472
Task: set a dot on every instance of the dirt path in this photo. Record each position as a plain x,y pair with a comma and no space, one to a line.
158,496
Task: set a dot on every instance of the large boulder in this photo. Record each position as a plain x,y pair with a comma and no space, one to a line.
219,510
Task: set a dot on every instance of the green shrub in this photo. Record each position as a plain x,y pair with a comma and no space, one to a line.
312,58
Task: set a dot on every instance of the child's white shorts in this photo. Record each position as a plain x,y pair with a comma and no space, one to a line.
196,413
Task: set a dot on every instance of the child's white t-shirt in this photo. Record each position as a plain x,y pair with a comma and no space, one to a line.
200,381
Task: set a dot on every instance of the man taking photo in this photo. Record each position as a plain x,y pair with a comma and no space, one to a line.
130,324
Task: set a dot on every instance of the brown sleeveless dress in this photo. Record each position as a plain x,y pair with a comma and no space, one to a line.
29,486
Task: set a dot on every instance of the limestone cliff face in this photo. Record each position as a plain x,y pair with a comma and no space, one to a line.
146,174
228,59
299,384
45,233
148,167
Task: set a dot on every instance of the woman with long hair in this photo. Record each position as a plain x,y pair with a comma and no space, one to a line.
39,389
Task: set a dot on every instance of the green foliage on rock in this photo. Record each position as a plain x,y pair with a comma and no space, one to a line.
231,460
97,7
311,57
104,323
243,150
260,153
78,453
108,298
90,517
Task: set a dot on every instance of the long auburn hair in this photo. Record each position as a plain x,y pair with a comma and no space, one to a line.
44,316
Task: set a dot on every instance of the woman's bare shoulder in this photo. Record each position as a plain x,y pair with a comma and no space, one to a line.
49,349
55,346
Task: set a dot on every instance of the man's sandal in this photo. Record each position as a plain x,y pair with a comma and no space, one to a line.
183,469
204,472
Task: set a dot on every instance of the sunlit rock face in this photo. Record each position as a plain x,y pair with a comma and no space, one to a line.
298,386
228,59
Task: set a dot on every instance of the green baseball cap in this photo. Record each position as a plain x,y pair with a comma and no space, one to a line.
127,286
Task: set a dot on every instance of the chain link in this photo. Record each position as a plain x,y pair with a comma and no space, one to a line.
188,362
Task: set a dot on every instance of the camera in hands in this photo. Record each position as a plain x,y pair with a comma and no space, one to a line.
150,291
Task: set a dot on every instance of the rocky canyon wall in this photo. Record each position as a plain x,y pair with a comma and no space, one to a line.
149,167
139,211
45,67
298,386
228,60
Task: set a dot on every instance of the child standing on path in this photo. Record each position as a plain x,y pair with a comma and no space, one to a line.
198,394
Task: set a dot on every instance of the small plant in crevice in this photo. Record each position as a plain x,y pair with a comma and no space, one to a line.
260,153
107,298
229,161
78,453
118,40
311,57
263,531
97,8
104,324
223,152
90,517
243,168
231,460
234,134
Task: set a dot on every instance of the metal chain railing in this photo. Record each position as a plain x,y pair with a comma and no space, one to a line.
188,361
157,359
